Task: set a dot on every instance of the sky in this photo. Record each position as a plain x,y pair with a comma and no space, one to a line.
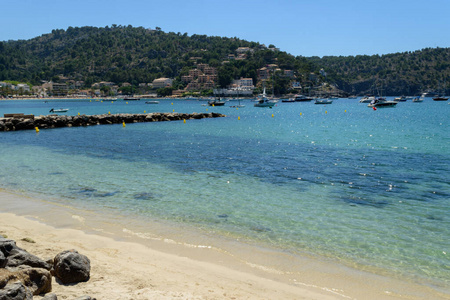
299,27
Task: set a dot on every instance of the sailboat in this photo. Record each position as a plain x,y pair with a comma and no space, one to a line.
441,96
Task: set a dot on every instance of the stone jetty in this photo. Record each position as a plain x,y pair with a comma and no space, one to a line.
12,122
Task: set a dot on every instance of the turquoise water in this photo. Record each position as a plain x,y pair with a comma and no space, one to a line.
364,187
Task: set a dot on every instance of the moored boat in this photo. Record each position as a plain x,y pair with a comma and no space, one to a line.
264,101
323,101
59,110
382,102
152,102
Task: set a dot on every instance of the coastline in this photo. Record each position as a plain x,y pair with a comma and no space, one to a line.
125,265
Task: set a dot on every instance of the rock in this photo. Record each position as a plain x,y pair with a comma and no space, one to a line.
71,267
86,297
36,280
7,245
50,296
19,257
3,260
15,291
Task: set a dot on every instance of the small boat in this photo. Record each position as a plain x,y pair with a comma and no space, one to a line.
382,102
440,98
152,102
290,100
323,101
366,99
131,99
59,110
301,98
400,99
216,102
264,101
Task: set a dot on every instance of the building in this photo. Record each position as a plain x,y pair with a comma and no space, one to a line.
162,83
263,73
59,89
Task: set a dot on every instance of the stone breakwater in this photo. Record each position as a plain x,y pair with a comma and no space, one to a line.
12,122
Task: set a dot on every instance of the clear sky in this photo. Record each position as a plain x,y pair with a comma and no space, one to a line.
299,27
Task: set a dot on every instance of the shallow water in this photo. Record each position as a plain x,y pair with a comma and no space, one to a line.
367,188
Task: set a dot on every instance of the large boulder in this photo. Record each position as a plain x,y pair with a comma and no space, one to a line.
15,291
71,267
19,257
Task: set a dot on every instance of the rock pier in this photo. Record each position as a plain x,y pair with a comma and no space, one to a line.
12,122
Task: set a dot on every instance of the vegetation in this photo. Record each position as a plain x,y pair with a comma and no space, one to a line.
125,54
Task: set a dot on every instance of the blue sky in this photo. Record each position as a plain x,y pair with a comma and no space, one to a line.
299,27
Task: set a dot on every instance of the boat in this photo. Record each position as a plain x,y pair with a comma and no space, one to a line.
302,98
152,102
440,98
239,105
323,101
382,102
289,100
131,99
366,99
216,102
264,101
59,110
417,99
400,99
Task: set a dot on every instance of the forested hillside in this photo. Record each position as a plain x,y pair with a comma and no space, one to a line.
405,73
138,55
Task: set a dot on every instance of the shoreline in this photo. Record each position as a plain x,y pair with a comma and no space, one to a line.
165,268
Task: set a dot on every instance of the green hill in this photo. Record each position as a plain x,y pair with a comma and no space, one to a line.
122,54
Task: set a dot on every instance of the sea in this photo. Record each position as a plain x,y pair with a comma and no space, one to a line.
365,188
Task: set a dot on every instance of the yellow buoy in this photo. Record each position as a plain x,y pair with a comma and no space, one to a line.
109,112
144,111
239,118
112,101
123,124
78,113
173,110
345,110
101,101
37,129
206,109
171,103
300,114
213,105
272,115
126,102
326,112
184,120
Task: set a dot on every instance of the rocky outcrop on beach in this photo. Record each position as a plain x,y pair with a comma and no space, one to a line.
23,274
13,122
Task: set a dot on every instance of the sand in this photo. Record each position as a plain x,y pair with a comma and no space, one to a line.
121,269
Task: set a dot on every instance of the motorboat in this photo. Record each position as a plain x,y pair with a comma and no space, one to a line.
59,110
131,99
152,102
323,101
216,102
366,99
400,99
289,100
440,98
264,101
382,102
302,98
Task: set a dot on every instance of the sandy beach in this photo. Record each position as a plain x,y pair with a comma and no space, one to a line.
121,269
